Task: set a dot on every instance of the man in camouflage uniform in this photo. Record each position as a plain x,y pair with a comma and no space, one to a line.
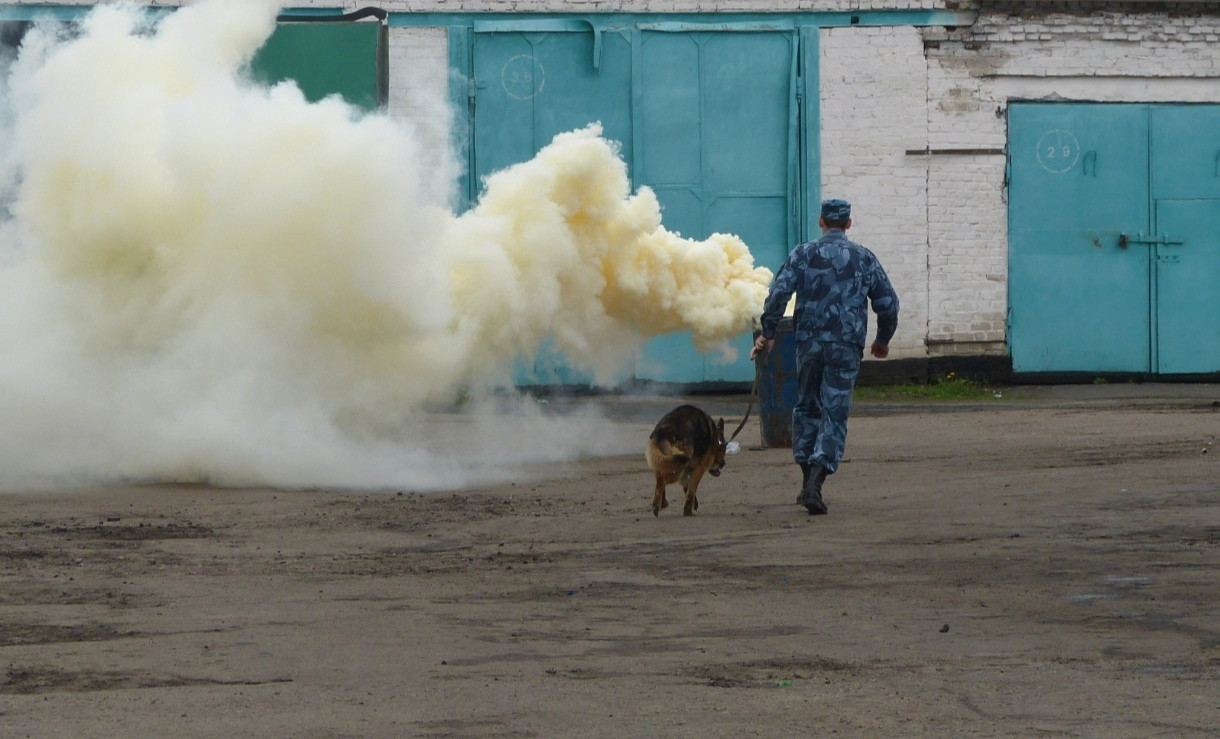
834,280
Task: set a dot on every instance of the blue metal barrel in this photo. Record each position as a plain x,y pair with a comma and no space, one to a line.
776,374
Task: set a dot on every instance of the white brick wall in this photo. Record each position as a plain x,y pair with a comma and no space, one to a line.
873,108
967,253
968,223
419,97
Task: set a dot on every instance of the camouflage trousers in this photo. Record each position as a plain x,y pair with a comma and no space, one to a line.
826,373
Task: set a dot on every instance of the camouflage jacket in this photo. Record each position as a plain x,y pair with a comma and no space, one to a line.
834,279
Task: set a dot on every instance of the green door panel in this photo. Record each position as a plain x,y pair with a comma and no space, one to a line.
1079,301
348,59
1188,286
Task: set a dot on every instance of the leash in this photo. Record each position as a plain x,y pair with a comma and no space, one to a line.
749,407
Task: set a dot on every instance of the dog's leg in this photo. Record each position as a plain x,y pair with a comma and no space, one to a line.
658,497
690,484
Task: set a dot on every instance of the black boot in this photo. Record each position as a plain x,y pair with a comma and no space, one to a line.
811,489
806,467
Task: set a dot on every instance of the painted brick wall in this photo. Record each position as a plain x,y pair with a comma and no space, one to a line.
967,255
419,98
967,224
419,70
873,102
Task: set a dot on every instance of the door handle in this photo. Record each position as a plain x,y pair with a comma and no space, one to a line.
1124,240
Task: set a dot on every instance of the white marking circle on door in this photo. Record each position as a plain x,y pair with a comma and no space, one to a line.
522,77
1058,151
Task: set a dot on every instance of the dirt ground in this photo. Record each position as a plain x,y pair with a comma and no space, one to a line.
1044,565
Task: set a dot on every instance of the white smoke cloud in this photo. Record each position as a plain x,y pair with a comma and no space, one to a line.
204,279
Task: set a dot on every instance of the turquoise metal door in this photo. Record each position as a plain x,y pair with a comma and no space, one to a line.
1186,187
707,119
1078,295
1114,238
1187,255
531,83
716,142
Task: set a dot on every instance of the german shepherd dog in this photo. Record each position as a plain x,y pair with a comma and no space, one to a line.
685,444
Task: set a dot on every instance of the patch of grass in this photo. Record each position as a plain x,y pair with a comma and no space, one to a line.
948,387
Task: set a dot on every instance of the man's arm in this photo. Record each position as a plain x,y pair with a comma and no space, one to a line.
782,288
884,300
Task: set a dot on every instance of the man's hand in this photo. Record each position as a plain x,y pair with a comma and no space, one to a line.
761,346
880,351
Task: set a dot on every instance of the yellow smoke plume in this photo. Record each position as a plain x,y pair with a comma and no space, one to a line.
559,247
197,267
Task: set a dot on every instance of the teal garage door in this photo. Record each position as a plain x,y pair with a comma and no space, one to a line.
1114,239
1186,243
716,138
707,119
531,83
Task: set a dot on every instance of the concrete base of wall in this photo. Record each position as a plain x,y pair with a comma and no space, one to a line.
997,370
983,370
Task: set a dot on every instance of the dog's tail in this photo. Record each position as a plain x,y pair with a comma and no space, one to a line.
675,454
664,450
